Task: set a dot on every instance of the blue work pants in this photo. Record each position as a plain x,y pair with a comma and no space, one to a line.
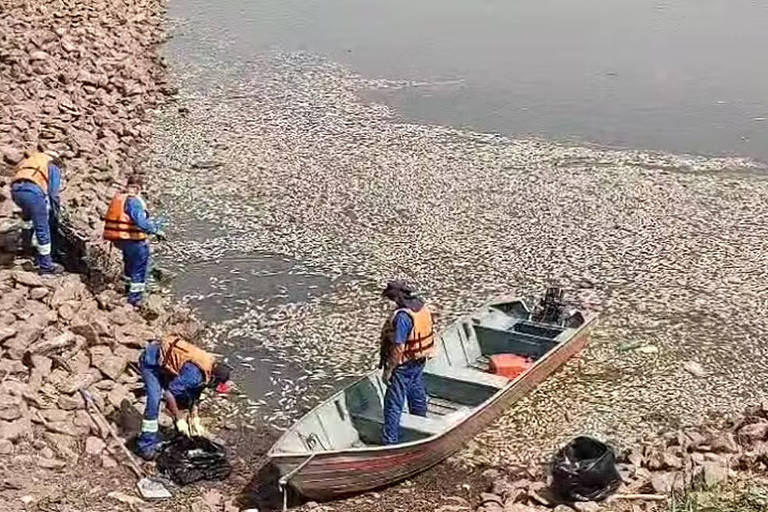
406,383
35,215
135,265
152,373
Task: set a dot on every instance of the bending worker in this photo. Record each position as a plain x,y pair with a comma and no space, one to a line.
178,371
408,340
35,189
127,225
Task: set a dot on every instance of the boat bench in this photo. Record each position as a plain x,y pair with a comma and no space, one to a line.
465,386
412,427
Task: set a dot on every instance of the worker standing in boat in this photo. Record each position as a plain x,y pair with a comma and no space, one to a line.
408,340
127,225
178,371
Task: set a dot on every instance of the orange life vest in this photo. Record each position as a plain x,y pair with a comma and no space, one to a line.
175,352
118,225
421,342
34,169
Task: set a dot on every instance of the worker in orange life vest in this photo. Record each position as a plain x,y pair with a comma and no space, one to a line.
127,225
408,340
175,369
35,189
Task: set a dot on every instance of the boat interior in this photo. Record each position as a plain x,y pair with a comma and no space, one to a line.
457,381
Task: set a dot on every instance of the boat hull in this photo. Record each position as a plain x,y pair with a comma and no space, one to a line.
337,474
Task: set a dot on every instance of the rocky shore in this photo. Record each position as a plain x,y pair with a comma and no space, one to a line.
672,279
81,78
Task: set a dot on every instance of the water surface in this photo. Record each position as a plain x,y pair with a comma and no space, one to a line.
684,76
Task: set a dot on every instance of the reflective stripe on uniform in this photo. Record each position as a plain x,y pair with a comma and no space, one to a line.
44,249
149,426
27,224
137,287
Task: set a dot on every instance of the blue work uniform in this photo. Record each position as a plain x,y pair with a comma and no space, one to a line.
39,213
185,387
406,383
136,252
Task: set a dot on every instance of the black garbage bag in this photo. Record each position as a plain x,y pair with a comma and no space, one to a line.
186,460
585,470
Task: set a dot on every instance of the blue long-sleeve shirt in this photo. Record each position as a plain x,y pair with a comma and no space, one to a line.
403,326
134,207
187,385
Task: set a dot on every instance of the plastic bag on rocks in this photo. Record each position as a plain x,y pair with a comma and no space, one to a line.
585,470
186,460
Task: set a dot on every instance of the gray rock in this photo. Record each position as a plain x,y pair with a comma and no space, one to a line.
71,402
29,279
38,293
6,447
94,446
54,415
79,381
753,432
38,55
26,336
520,507
586,506
65,446
10,407
671,461
112,366
666,482
16,430
41,363
9,367
118,394
70,289
133,335
714,473
12,155
487,498
67,428
108,462
50,463
7,332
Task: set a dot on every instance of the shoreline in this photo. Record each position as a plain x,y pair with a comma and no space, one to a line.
97,115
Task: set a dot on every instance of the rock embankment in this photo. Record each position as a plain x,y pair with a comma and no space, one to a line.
652,472
81,78
58,338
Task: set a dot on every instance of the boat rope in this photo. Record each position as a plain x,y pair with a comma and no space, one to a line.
283,482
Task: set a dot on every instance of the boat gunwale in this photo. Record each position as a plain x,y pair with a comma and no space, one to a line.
274,456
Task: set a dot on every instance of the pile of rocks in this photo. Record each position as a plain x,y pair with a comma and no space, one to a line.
671,463
56,338
80,78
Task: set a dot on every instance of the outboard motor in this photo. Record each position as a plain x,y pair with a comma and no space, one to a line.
551,308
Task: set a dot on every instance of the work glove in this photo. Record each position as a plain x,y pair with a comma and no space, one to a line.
196,427
183,427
